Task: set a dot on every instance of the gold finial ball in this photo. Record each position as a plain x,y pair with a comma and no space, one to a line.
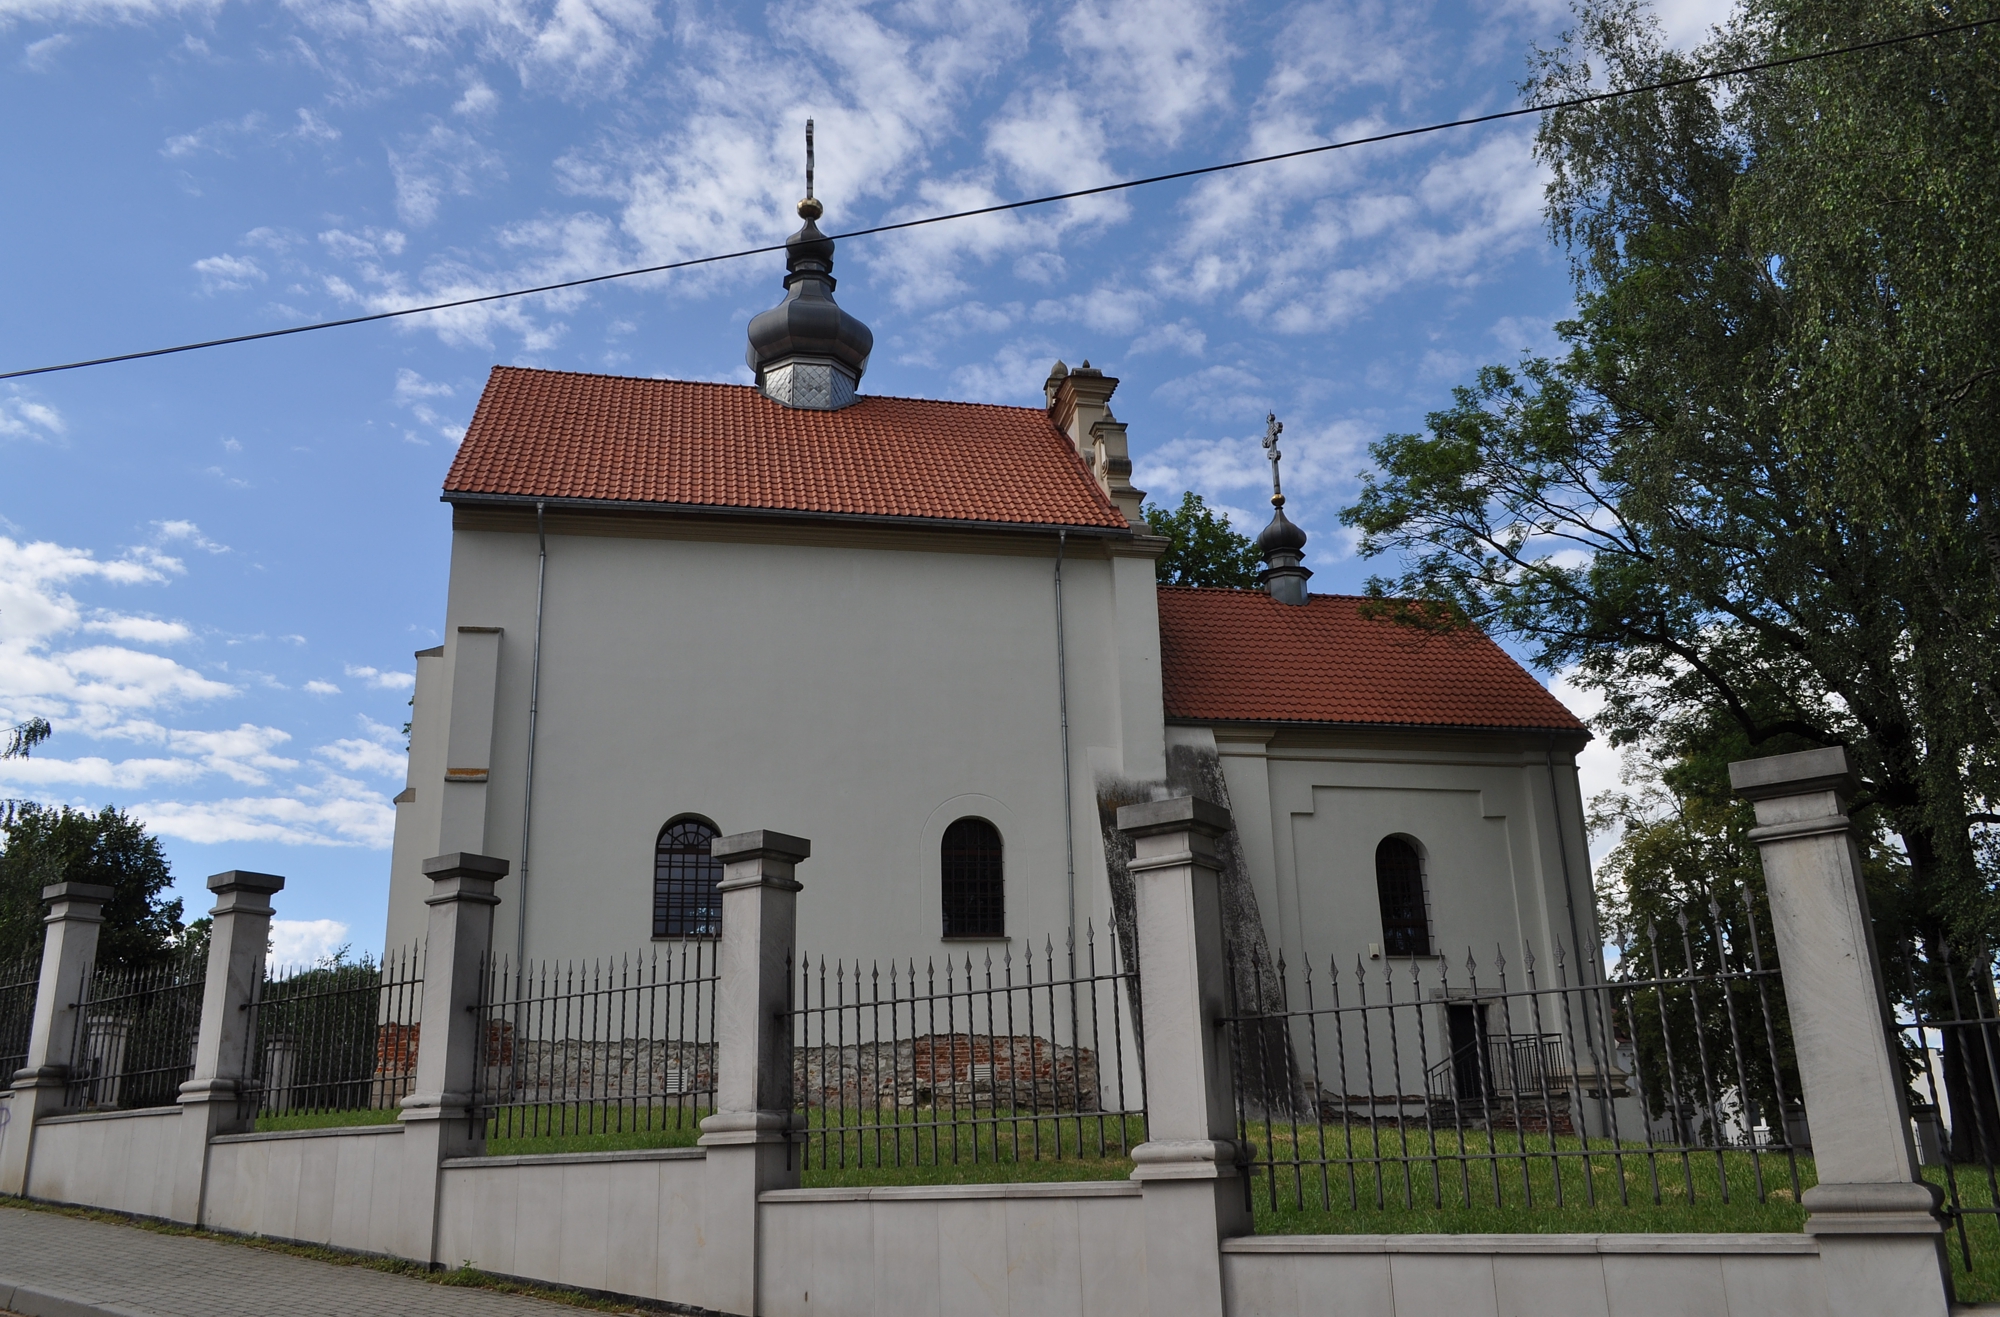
810,209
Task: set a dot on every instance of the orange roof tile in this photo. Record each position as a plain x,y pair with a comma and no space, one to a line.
1241,656
559,435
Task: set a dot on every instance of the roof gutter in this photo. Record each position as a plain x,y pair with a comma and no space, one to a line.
721,512
1484,729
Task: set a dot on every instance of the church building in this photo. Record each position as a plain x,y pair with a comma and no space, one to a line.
927,636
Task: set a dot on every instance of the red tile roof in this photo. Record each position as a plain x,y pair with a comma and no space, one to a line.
554,434
1241,656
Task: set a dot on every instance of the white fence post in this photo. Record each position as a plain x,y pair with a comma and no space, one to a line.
1881,1239
1188,1165
438,1116
69,949
748,1138
211,1097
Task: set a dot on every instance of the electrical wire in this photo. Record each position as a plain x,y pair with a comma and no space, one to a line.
1575,102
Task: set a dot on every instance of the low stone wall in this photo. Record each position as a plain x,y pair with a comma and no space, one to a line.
1019,1072
122,1160
998,1250
347,1188
621,1222
1496,1275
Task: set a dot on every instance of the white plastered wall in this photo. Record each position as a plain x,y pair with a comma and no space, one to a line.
1311,807
841,689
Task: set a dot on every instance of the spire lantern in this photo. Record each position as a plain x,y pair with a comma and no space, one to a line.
1281,544
807,352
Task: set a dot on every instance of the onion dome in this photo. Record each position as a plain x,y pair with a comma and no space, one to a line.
1281,544
807,351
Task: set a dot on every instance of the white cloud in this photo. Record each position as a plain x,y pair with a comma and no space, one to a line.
384,681
25,418
302,942
316,687
169,532
313,128
40,56
99,11
145,630
360,756
336,811
221,274
214,137
441,162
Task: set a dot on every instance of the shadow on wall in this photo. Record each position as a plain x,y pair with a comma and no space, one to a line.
1197,771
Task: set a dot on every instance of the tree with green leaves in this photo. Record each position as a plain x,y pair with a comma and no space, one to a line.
22,738
44,845
1202,547
1756,488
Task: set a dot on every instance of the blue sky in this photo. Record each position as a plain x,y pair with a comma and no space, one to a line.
214,567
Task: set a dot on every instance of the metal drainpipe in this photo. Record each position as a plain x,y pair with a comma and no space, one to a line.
1062,701
534,710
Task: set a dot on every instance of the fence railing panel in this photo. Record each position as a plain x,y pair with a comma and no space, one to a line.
334,1037
1437,1083
1029,1058
1947,1028
136,1038
19,980
621,1045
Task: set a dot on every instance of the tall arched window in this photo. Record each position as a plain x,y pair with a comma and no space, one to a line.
974,887
685,902
1399,884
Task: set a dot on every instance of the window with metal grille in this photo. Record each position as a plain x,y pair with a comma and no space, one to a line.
685,902
974,888
1399,884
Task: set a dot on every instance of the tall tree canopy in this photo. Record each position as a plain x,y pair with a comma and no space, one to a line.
108,848
1758,482
1202,548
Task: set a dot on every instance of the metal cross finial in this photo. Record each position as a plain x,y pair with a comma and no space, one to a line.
1273,427
810,209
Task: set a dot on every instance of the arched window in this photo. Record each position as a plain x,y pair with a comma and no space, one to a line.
974,888
685,902
1399,884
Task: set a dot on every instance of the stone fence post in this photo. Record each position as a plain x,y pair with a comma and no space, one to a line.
437,1116
69,949
748,1139
1188,1165
1881,1239
210,1099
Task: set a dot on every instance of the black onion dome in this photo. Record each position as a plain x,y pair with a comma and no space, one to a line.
808,323
1281,536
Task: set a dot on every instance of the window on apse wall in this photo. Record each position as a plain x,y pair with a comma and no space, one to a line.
685,874
973,881
1399,885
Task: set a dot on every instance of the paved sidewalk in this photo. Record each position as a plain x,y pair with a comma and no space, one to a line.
58,1266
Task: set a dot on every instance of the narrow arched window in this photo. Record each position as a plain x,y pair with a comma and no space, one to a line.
685,873
1399,884
974,887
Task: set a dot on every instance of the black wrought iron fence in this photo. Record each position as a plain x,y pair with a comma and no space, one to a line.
19,981
333,1037
624,1045
1948,1029
1433,1083
1031,1058
136,1036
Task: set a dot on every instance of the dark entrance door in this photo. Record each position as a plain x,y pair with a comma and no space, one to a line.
1468,1050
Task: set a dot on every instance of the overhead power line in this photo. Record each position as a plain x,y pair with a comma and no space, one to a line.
1574,102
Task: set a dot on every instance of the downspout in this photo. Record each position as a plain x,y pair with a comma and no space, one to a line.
534,710
1062,701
